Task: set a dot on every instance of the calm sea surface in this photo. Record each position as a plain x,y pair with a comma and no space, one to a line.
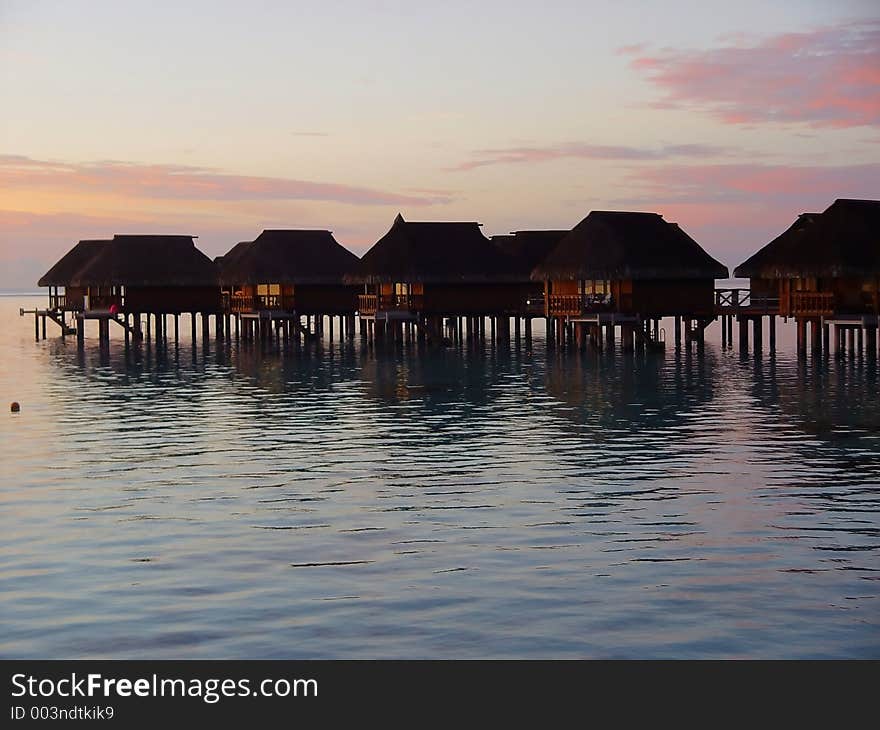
446,503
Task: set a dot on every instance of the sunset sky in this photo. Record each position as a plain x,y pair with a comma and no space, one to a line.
220,119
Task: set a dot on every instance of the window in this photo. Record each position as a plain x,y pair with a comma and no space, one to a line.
401,290
594,286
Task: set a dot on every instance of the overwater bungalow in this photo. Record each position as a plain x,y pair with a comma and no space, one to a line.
152,275
419,273
631,270
283,275
824,269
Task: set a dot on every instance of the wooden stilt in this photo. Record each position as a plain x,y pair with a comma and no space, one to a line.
801,335
771,327
626,338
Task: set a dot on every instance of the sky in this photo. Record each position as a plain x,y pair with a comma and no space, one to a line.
220,119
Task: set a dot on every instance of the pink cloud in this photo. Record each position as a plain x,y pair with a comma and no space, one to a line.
733,210
829,77
536,154
187,183
773,184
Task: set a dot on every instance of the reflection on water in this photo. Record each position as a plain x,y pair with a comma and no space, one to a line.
446,503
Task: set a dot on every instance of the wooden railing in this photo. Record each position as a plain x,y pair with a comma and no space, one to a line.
368,303
372,303
57,301
104,301
744,299
562,305
811,303
260,302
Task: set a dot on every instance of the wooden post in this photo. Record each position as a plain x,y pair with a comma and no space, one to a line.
757,325
801,335
626,337
771,326
528,330
80,331
851,341
860,340
871,341
192,322
579,335
816,336
43,324
743,333
36,327
125,330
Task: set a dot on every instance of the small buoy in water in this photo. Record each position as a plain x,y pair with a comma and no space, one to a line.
14,407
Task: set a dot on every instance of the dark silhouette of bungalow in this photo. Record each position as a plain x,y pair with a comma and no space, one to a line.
420,271
62,296
289,271
628,268
824,265
528,249
153,274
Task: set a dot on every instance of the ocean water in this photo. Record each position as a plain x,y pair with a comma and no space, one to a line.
352,502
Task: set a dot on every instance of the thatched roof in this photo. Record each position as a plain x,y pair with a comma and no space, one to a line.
529,248
618,245
435,252
288,257
148,261
62,272
842,241
232,254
